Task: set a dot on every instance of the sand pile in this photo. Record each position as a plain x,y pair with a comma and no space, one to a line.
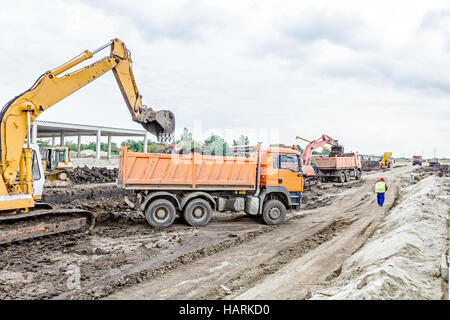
402,259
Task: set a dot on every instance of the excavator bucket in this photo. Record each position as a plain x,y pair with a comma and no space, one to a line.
159,123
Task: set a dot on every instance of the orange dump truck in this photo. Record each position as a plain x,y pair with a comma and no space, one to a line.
260,182
339,166
417,160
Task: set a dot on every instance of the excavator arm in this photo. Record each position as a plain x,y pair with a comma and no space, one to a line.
18,114
306,140
313,145
308,170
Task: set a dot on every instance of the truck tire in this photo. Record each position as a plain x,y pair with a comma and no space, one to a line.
357,175
160,213
341,177
197,212
274,212
347,176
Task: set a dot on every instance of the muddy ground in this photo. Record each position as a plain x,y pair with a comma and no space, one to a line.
123,257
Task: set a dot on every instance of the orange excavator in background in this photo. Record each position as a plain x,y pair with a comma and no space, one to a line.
308,170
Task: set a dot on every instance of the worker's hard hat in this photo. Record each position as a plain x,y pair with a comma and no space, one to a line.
382,179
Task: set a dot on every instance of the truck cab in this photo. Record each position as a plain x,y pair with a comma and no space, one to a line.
417,160
281,172
434,162
357,156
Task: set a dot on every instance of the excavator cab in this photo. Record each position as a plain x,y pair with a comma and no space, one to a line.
37,171
337,151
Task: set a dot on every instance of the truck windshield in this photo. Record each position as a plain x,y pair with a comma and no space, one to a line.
289,162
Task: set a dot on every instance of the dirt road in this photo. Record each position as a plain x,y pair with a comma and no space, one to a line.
285,262
124,258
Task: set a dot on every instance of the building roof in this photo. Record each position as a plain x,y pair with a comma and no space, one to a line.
48,129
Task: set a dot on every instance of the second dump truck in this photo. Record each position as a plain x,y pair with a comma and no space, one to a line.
417,160
263,183
339,166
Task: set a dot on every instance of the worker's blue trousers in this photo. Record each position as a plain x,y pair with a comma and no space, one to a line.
380,198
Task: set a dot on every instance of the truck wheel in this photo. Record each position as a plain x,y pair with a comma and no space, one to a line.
197,212
357,175
160,213
341,177
347,176
274,212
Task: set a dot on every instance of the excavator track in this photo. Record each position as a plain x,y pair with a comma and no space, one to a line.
40,223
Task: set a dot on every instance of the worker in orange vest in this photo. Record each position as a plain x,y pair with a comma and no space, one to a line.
380,189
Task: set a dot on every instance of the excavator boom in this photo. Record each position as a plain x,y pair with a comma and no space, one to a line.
306,140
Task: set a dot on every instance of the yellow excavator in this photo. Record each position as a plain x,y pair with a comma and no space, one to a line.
386,161
56,163
21,173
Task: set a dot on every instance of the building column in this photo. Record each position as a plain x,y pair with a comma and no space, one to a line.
61,139
79,147
53,141
145,143
99,135
34,130
109,147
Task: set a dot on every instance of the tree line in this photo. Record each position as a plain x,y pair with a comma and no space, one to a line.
214,145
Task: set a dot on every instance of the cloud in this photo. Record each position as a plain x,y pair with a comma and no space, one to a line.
364,74
175,20
324,24
435,19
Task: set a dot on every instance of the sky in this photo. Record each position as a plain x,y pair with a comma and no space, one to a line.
372,74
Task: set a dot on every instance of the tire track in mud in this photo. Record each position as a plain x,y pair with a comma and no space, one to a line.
242,267
271,250
145,272
109,286
295,279
251,276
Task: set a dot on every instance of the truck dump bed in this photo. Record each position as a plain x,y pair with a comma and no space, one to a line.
336,163
155,171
